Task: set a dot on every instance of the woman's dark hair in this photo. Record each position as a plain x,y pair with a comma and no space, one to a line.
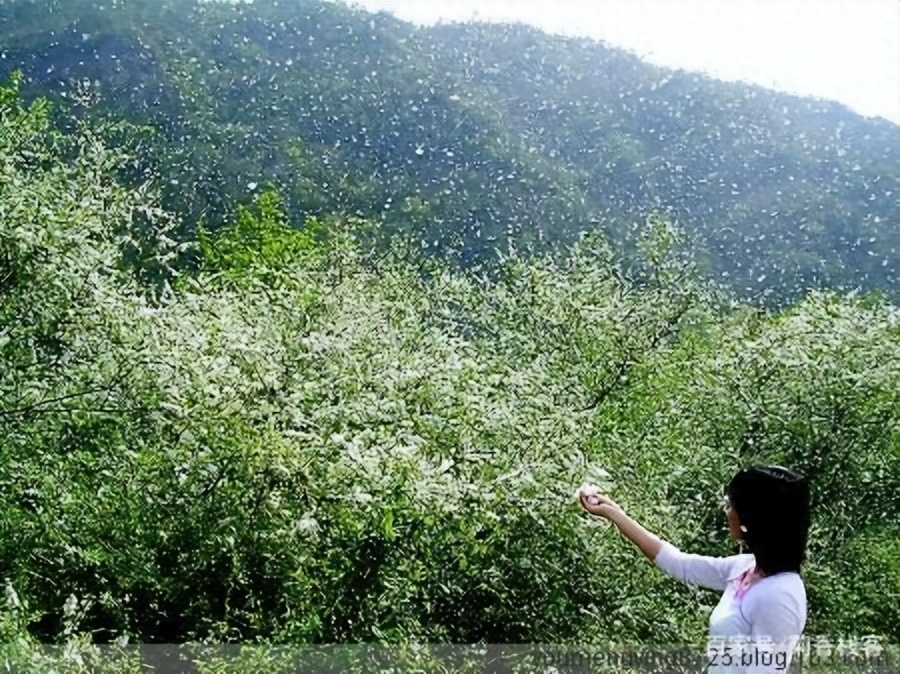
773,504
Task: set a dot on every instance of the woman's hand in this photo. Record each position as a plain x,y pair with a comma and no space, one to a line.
603,506
596,504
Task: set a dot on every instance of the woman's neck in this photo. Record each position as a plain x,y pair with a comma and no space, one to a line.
758,570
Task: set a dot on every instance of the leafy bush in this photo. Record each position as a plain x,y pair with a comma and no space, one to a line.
300,443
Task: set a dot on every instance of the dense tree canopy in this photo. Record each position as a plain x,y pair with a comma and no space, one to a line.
473,138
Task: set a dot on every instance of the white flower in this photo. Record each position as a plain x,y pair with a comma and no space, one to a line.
587,490
360,496
307,524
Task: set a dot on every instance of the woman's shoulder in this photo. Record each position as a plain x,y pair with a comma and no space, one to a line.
789,581
738,564
786,589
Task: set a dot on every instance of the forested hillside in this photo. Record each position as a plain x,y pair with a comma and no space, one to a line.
472,137
243,402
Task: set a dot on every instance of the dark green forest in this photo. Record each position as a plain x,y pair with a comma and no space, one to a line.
311,322
473,138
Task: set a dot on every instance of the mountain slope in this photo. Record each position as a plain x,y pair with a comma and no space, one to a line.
472,135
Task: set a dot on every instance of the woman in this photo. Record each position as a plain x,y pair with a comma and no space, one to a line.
762,612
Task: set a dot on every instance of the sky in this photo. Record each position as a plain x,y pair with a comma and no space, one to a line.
842,50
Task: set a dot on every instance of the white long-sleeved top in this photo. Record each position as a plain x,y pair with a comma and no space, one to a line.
752,630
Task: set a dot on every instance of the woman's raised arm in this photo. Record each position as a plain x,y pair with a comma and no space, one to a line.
709,572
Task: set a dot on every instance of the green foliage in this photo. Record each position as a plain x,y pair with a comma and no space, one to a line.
471,138
260,240
304,443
